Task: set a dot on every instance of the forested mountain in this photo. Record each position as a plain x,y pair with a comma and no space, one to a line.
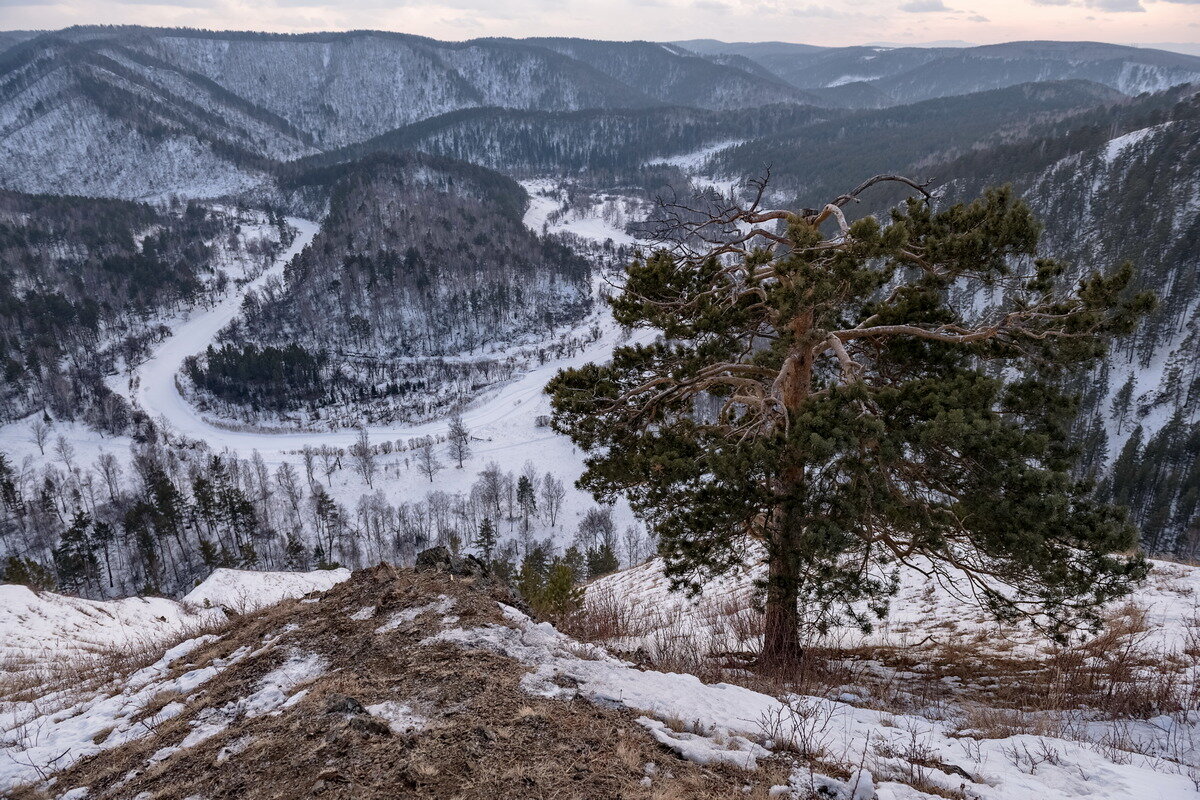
680,78
911,74
95,119
597,143
419,257
1126,190
84,285
10,38
905,138
207,112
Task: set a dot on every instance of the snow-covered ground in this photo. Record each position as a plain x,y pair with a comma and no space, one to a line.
502,420
43,628
925,612
837,748
887,756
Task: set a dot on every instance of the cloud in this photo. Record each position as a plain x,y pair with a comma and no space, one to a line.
924,6
820,11
978,18
711,5
1052,2
1115,5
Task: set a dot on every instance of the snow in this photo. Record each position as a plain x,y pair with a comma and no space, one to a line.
245,590
273,692
694,160
43,628
35,741
736,725
442,605
46,627
924,611
1120,144
546,197
400,717
704,749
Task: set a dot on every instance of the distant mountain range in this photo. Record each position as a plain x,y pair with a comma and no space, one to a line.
148,112
909,74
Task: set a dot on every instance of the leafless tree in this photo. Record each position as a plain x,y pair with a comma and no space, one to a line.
364,457
64,451
39,433
553,494
310,458
427,460
459,439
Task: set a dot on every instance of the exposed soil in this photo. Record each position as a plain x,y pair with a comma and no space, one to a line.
485,737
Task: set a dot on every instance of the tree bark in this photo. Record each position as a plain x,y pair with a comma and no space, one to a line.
781,639
781,633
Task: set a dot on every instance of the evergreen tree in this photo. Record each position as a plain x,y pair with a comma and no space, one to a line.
602,561
1122,405
10,498
527,500
27,572
74,559
485,540
864,417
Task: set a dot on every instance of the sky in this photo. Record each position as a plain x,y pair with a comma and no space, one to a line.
820,22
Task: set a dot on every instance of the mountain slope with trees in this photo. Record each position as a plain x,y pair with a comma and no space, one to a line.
419,257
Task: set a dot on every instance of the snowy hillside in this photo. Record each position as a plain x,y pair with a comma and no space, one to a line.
442,686
926,614
41,629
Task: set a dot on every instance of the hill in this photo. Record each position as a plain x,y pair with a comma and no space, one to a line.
430,682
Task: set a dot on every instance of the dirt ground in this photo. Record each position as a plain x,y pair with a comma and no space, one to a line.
485,737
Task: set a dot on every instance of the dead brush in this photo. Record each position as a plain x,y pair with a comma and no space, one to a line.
607,618
801,725
54,681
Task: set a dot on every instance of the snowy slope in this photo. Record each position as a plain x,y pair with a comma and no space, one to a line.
925,612
723,723
37,627
817,747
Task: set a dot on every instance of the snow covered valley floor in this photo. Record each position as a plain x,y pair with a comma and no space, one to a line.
397,683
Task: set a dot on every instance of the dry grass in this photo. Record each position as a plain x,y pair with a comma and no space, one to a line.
59,679
486,737
989,688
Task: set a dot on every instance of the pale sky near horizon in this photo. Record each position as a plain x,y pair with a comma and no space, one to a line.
821,22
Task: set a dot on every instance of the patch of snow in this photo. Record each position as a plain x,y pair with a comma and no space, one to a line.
273,692
37,739
741,723
442,605
695,159
740,752
400,717
246,590
1116,146
364,613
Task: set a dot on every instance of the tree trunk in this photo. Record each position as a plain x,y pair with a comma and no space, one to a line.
781,639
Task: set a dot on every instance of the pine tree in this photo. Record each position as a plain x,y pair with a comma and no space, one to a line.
864,420
602,561
27,572
527,500
1122,405
485,539
74,559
